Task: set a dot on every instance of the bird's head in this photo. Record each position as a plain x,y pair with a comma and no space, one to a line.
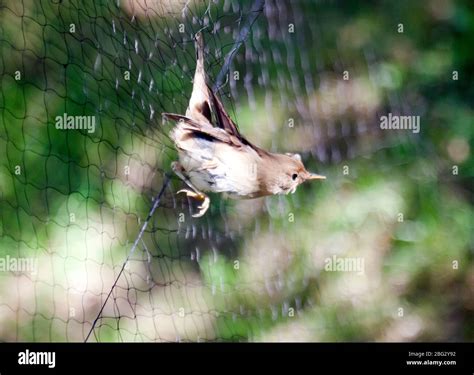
287,172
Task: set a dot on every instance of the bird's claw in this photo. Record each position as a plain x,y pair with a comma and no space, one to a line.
198,196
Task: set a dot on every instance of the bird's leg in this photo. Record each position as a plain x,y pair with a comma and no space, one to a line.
178,170
203,207
195,193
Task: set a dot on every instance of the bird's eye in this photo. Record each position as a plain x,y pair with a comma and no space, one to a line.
294,176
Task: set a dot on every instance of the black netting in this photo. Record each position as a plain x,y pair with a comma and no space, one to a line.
297,76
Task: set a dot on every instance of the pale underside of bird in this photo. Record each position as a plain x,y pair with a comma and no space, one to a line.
215,157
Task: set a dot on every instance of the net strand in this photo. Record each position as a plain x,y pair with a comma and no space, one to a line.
156,203
257,9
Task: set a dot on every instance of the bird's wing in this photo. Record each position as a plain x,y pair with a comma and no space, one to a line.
205,130
223,119
204,102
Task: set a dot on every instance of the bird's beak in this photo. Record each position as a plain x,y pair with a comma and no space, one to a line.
314,176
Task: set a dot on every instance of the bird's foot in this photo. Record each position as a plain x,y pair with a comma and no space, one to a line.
200,197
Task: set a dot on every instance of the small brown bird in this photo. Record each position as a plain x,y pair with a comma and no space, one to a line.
219,159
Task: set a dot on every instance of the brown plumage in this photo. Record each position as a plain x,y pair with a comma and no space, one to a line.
218,158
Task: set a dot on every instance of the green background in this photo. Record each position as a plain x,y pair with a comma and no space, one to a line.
250,270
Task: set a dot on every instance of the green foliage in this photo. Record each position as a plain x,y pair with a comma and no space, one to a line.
281,289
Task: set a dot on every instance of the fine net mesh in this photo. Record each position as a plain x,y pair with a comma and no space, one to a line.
308,78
